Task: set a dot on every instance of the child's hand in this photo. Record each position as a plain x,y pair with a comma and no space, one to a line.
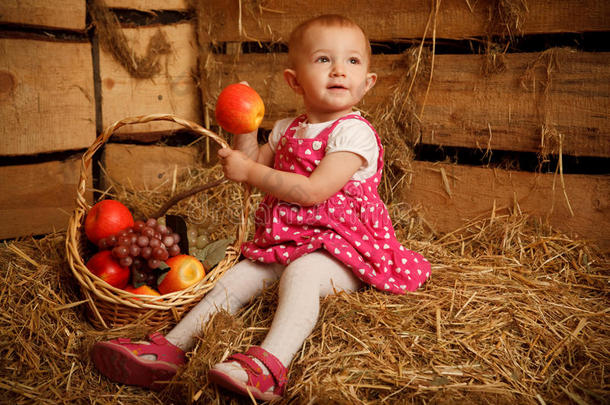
235,164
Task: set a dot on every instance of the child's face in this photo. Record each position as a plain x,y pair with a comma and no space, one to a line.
331,71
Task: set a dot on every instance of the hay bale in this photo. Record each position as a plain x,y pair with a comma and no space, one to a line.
514,312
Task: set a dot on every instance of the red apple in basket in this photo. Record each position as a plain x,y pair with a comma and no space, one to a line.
103,265
106,218
239,109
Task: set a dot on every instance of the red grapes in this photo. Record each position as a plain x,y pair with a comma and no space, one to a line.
143,246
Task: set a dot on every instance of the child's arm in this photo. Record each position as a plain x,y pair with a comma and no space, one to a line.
333,172
248,144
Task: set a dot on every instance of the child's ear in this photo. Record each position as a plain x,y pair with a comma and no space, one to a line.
371,79
291,78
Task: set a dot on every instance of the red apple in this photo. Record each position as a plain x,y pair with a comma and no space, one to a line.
103,265
106,218
239,109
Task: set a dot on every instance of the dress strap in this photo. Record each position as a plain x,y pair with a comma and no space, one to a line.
290,131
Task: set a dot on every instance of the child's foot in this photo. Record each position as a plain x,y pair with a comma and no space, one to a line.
145,364
257,371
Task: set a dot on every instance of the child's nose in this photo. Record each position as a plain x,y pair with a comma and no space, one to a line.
337,70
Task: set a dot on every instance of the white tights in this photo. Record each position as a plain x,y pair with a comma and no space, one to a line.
302,284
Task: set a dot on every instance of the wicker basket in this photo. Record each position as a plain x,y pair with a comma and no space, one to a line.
111,307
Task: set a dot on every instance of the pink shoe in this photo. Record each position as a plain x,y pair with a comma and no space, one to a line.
119,360
258,383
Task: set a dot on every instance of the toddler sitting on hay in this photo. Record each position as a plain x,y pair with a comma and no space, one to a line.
321,228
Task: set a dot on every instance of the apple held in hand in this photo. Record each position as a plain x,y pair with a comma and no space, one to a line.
106,218
103,265
184,271
239,109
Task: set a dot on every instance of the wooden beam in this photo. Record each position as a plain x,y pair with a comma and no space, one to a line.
472,192
146,167
38,198
501,111
47,101
386,20
64,14
173,90
145,5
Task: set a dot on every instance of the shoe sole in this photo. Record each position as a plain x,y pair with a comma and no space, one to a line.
119,364
229,383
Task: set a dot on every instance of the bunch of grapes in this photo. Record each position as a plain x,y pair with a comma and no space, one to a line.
197,237
143,246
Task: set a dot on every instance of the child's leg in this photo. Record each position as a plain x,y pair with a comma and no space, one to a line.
146,363
302,284
233,290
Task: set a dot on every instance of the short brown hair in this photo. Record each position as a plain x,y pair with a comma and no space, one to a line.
325,20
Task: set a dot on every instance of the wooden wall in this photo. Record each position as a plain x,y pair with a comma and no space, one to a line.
59,88
562,90
56,93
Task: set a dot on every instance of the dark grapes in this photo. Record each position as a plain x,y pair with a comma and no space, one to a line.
154,263
102,244
173,250
120,251
148,232
146,252
168,240
142,241
134,250
143,247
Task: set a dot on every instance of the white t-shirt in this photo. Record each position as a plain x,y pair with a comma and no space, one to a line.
350,135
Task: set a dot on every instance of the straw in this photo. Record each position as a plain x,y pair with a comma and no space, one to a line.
514,313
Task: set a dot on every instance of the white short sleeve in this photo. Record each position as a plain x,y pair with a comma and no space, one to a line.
356,136
278,130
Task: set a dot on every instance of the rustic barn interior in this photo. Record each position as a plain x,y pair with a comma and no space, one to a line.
494,116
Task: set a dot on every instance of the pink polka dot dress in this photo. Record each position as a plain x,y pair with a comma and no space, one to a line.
353,225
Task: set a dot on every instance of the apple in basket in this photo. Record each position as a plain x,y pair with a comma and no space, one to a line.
142,290
103,265
184,271
106,218
239,109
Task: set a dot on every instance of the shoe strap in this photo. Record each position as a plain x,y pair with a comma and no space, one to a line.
158,339
275,367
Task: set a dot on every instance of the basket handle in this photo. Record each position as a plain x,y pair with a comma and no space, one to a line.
81,202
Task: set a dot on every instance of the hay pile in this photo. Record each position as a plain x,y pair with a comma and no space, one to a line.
514,313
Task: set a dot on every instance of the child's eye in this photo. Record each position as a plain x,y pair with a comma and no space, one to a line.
354,61
323,59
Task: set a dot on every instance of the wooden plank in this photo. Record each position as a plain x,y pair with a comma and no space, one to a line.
43,199
465,109
65,14
147,167
385,20
472,192
173,90
46,96
146,5
462,107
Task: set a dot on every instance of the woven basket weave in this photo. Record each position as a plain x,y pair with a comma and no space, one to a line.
111,307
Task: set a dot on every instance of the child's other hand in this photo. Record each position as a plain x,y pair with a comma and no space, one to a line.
235,164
